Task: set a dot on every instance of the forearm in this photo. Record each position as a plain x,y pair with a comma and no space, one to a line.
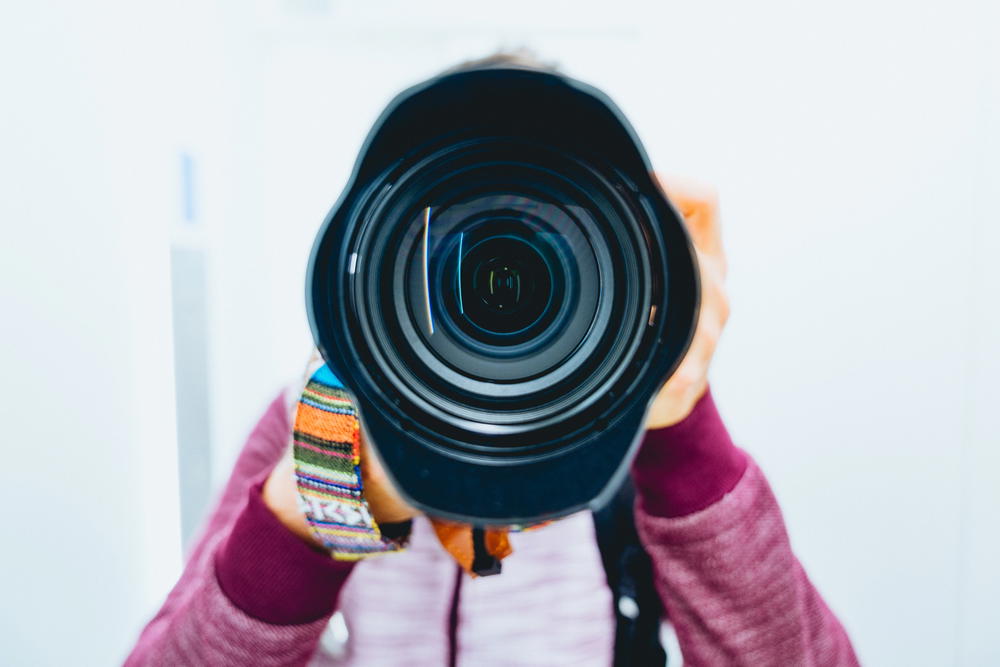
264,598
723,565
250,584
688,466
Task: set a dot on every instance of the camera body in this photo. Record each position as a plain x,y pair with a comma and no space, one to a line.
503,288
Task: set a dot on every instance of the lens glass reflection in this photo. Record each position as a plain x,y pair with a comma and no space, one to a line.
497,275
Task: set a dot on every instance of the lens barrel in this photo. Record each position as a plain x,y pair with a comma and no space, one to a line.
502,299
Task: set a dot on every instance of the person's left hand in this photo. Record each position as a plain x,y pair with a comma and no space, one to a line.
384,502
676,399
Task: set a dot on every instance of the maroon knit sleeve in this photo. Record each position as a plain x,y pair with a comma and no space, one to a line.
251,592
722,562
686,467
271,574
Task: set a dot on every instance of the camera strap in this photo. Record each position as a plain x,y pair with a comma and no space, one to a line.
326,446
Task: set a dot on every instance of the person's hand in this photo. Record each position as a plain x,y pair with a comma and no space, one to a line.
678,396
281,496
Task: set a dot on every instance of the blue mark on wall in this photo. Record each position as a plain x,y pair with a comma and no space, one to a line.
187,188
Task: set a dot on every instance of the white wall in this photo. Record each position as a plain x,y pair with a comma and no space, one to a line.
88,477
855,149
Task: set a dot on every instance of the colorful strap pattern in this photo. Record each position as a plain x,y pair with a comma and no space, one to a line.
327,452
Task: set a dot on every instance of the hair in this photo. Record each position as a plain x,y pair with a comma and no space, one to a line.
520,58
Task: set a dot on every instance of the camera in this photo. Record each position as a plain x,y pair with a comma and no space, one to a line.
502,287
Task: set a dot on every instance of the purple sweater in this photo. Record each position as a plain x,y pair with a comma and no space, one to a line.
253,593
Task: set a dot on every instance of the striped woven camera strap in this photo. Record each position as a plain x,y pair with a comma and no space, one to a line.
327,452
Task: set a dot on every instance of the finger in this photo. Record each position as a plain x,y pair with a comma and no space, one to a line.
712,268
712,317
699,207
701,216
386,505
691,375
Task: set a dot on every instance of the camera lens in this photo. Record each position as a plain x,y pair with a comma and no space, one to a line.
503,288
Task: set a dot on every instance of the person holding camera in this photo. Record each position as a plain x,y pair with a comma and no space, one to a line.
258,588
312,555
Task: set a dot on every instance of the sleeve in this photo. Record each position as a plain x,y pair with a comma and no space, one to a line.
723,564
251,591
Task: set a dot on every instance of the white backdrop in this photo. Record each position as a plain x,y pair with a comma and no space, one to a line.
855,148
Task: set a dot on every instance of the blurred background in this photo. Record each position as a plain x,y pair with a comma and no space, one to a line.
165,166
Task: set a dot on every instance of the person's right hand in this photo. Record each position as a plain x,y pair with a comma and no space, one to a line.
384,502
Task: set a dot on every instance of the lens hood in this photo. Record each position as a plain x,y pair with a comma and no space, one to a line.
503,288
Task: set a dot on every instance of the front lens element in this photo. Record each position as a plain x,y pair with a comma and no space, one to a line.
505,285
500,276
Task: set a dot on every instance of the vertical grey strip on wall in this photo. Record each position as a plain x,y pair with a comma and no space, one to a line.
194,453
